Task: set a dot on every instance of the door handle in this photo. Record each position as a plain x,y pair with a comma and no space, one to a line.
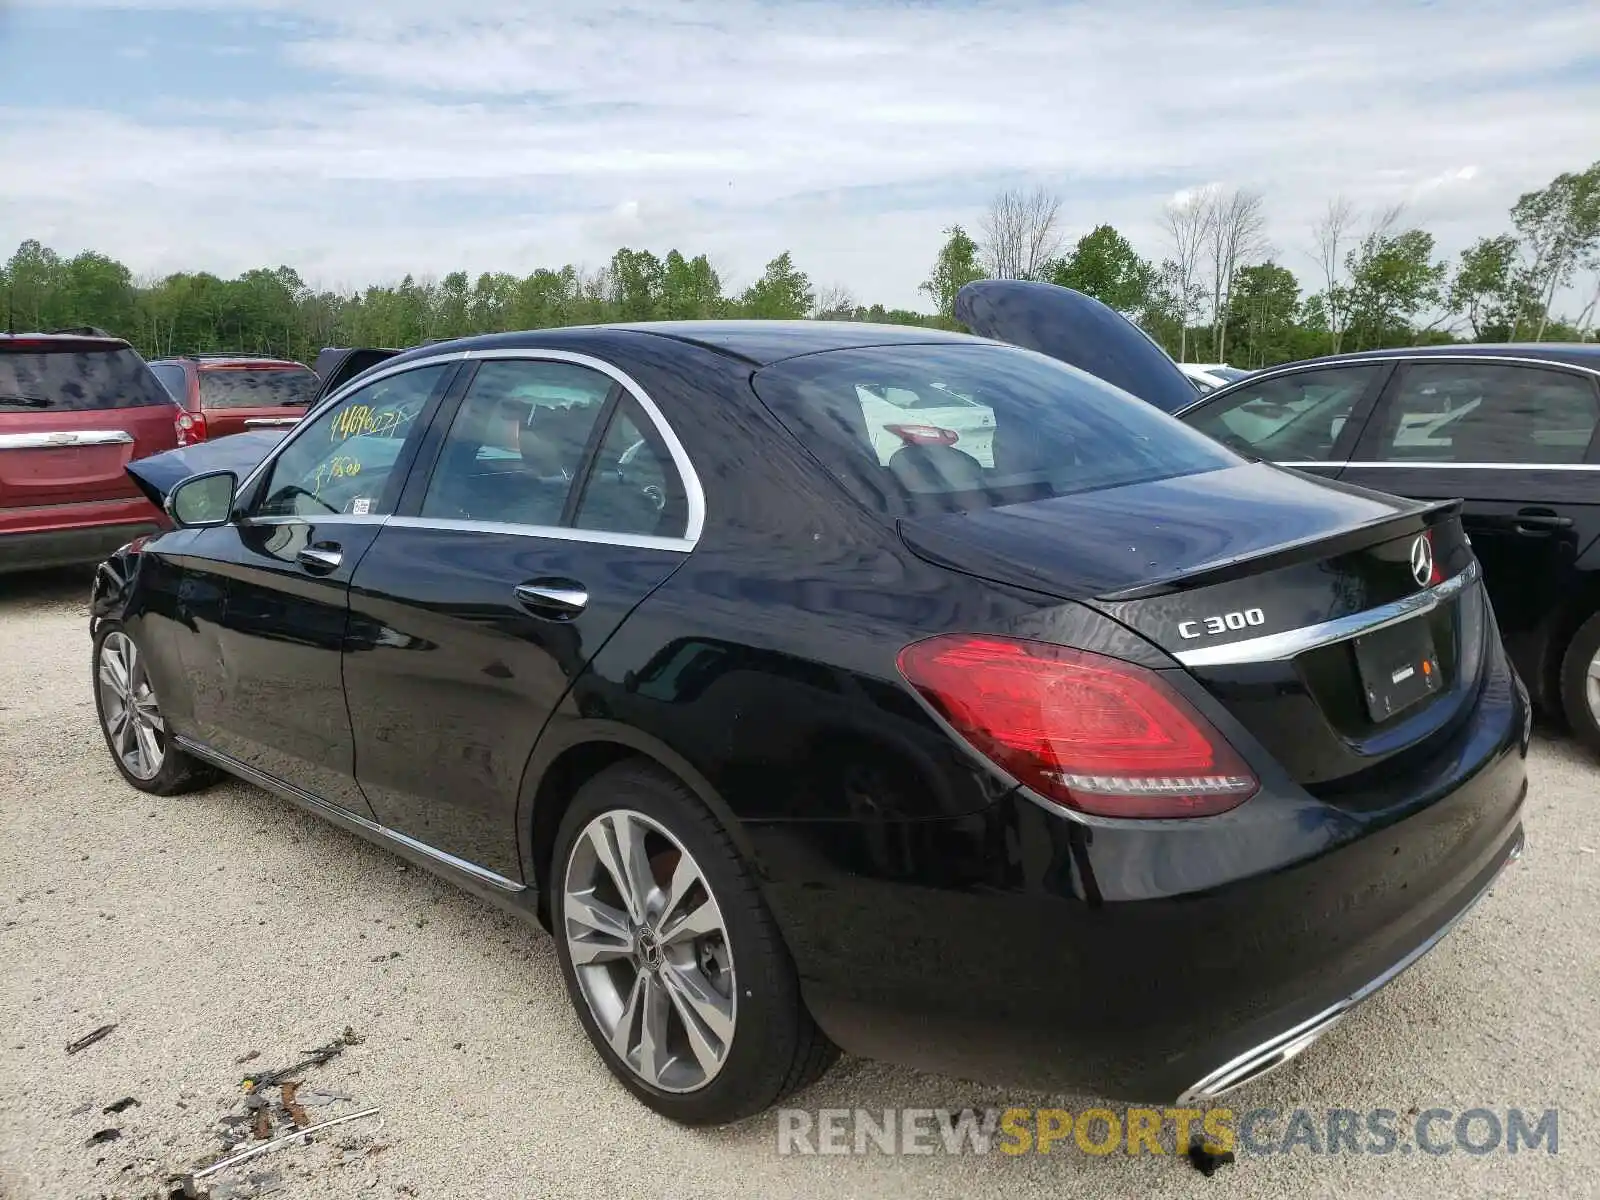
1539,522
321,558
560,598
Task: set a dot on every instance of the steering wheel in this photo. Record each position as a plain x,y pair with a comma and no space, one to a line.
653,492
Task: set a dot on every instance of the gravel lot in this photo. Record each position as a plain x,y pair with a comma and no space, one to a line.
218,924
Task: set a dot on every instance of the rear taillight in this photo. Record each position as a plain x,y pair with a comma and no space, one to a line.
924,435
1082,730
191,428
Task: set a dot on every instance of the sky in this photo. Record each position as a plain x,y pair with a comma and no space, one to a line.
360,140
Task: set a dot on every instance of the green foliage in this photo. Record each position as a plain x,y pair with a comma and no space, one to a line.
1393,278
1392,292
955,266
1105,265
1485,288
783,293
1559,226
1264,307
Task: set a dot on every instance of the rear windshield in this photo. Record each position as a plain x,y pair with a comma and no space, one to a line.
257,387
76,381
940,428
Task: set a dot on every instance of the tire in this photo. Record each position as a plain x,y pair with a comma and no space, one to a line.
1580,683
146,758
740,972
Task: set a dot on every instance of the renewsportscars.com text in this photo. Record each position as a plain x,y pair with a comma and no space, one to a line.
1132,1131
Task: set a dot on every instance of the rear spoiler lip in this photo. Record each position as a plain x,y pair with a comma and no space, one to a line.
1422,516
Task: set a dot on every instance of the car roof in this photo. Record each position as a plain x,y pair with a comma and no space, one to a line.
232,360
62,341
756,342
1585,354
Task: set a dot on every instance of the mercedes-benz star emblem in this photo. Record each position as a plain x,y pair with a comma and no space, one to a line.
1422,561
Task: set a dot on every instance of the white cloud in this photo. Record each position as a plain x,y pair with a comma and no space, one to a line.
526,135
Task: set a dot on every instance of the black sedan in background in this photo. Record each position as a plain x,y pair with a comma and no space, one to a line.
1087,752
1512,430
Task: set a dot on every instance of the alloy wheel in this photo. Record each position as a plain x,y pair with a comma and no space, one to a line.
1592,687
133,721
650,951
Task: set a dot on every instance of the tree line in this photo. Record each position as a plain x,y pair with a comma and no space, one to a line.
1218,290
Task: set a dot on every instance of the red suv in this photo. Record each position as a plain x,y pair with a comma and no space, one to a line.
228,393
75,410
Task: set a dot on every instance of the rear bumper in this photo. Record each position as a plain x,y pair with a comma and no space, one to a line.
1284,1047
59,535
1140,964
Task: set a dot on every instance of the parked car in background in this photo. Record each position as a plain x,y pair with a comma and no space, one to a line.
75,410
1511,430
1208,377
230,393
1124,762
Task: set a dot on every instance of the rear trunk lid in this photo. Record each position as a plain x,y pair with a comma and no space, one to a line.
1343,629
1078,330
1303,627
241,396
74,412
338,365
244,452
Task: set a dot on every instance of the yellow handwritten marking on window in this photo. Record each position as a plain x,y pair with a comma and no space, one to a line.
363,420
340,466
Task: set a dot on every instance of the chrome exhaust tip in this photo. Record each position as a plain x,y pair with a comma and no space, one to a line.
1261,1060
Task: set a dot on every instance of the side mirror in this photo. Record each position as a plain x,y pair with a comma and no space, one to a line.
203,501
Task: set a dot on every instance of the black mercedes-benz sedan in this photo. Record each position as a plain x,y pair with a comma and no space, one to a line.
1054,743
1511,430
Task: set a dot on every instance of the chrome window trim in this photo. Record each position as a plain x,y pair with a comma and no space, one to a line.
271,422
333,398
694,493
563,533
1446,466
1269,373
695,518
330,519
1278,647
1477,466
62,438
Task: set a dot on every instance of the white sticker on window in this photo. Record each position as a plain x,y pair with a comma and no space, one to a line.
361,506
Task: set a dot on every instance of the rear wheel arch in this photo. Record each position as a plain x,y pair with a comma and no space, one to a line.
562,764
1557,632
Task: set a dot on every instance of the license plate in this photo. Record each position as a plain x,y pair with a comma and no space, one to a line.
1398,667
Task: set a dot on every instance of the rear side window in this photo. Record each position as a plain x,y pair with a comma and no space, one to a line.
76,380
1471,413
988,426
257,387
174,379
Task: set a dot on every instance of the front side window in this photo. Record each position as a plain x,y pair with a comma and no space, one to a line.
1289,418
342,461
1470,413
517,442
1008,426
